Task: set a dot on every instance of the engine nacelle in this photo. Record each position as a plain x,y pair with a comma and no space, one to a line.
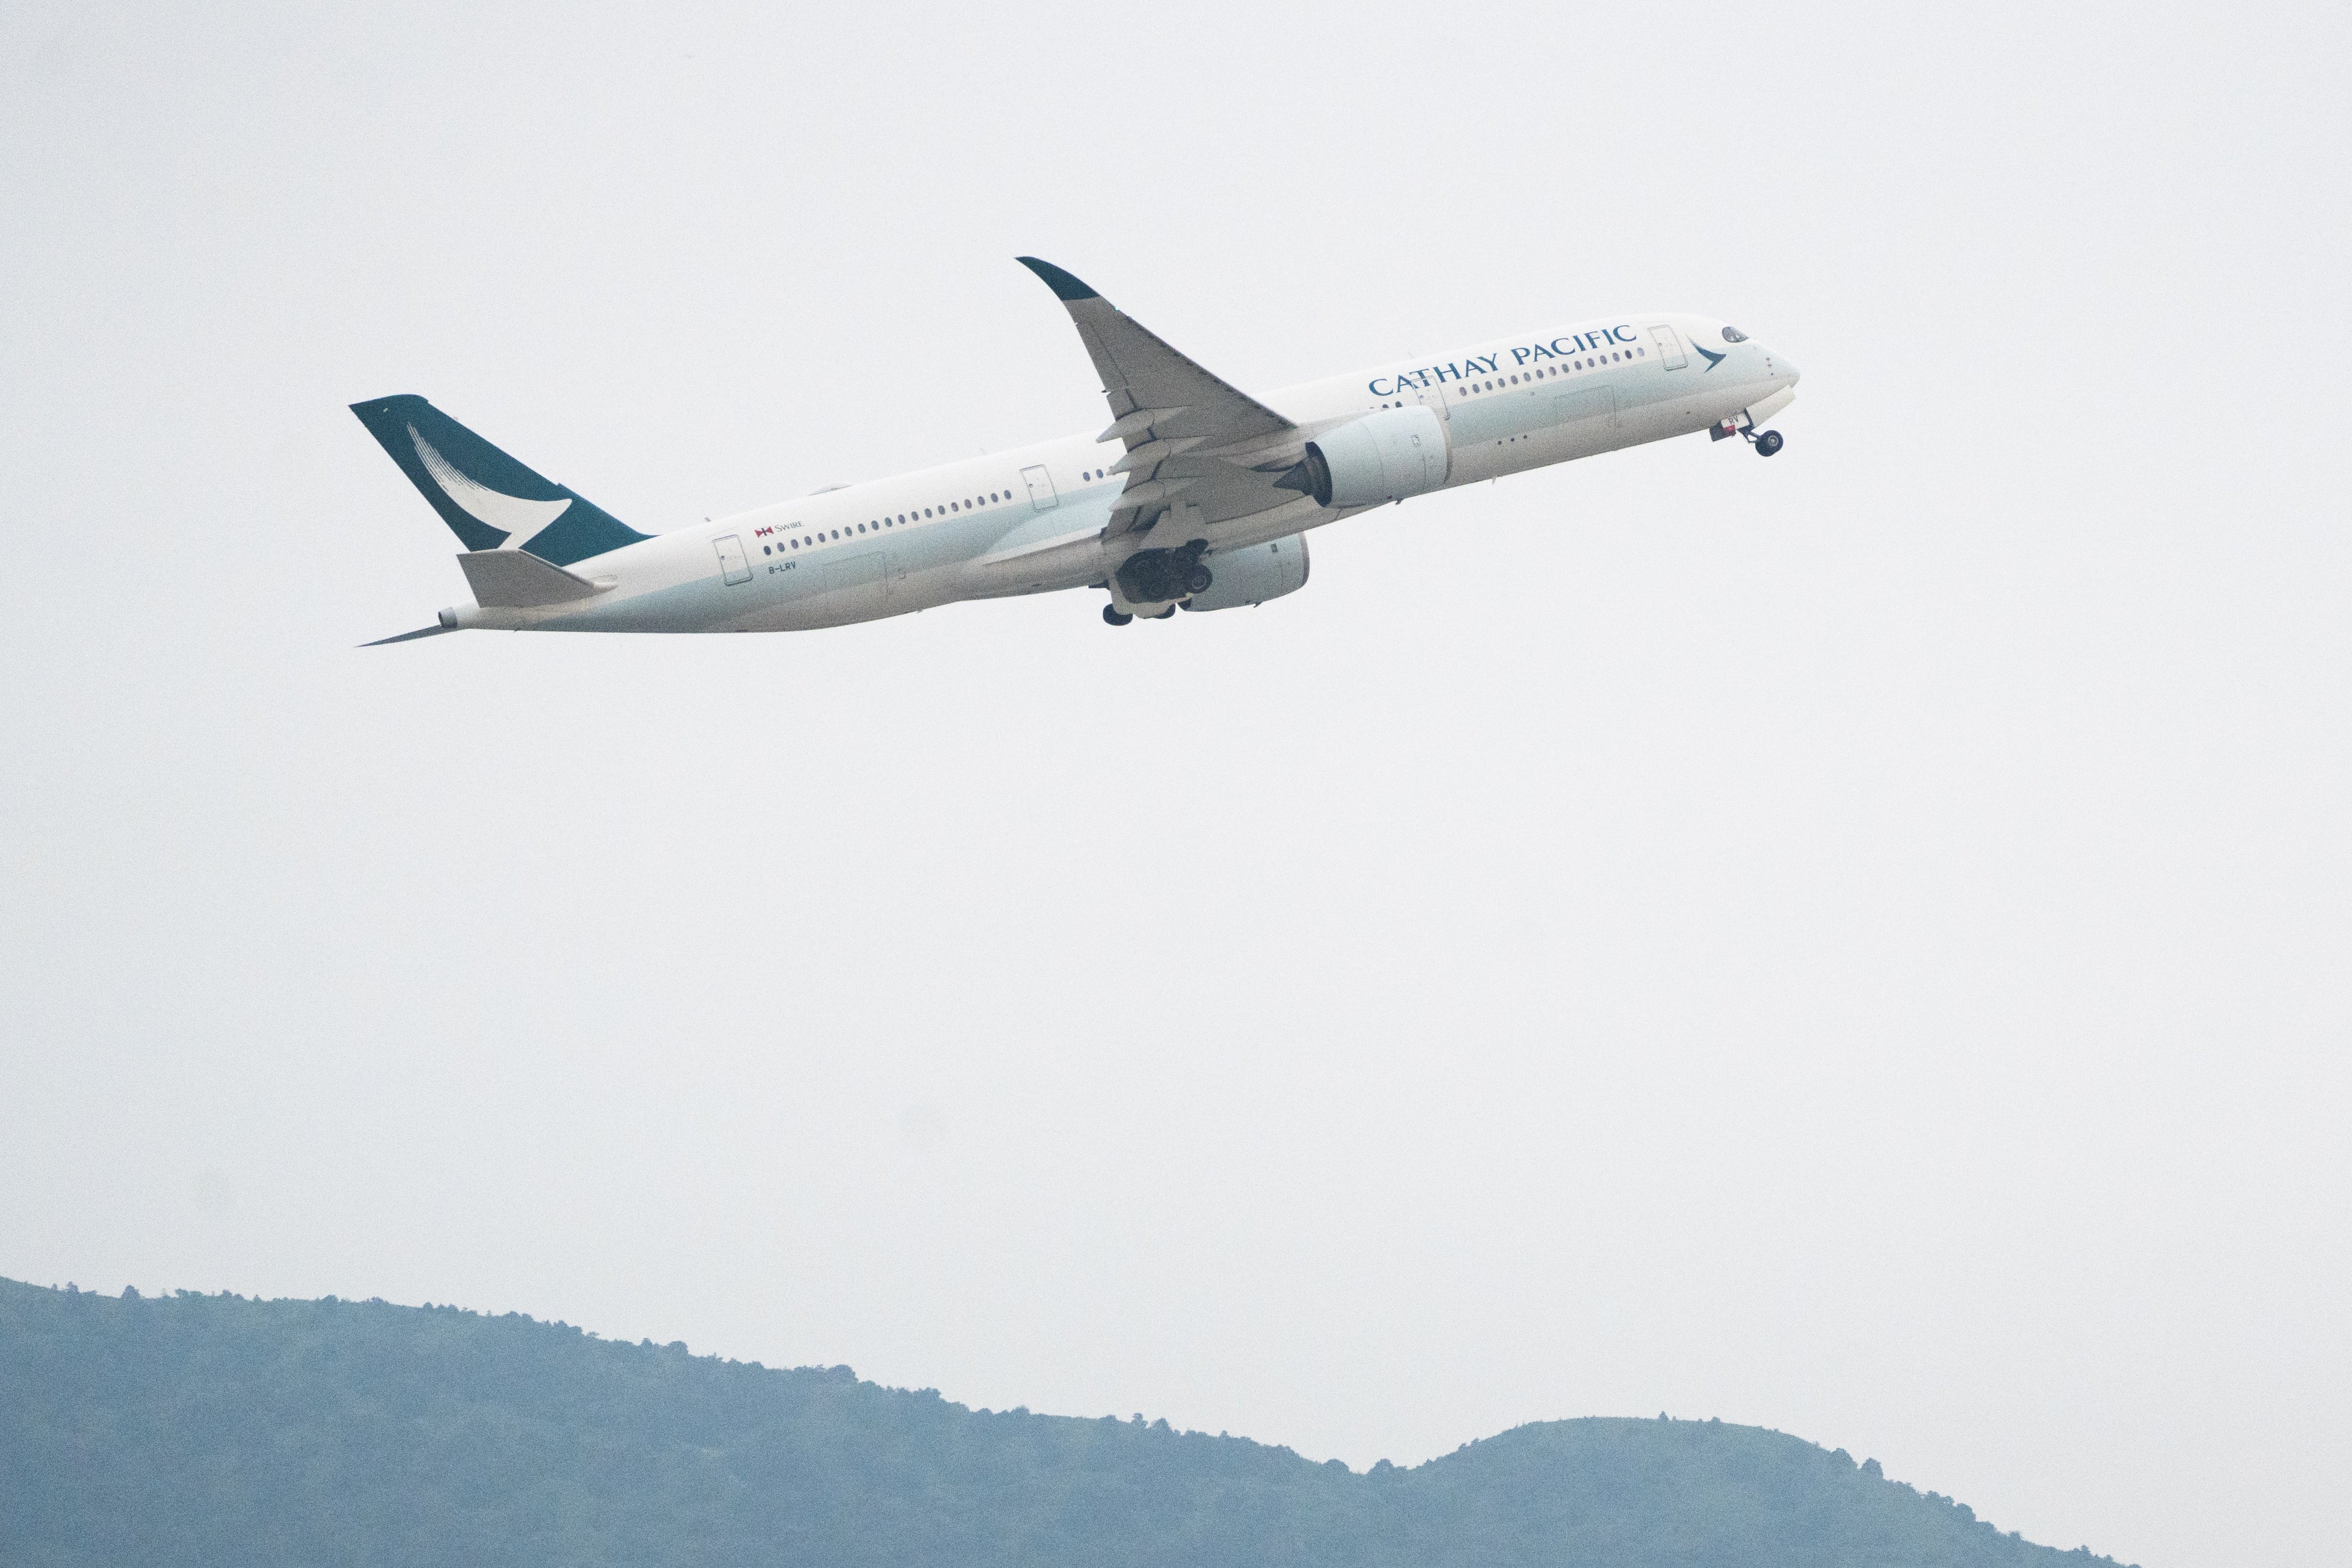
1386,456
1253,574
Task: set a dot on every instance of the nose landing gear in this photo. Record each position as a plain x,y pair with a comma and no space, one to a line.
1766,444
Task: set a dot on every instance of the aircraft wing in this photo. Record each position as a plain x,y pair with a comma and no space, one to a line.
1192,438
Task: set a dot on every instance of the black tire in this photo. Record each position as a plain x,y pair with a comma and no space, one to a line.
1115,616
1165,614
1768,443
1197,579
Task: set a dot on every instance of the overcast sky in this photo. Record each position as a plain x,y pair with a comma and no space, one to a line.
1859,944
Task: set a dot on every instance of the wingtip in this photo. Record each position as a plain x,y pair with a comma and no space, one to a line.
1065,287
383,405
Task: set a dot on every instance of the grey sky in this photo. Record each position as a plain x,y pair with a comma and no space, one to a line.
1858,943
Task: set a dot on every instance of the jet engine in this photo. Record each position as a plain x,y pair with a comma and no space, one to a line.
1253,574
1386,456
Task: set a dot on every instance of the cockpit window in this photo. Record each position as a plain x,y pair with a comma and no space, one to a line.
1734,335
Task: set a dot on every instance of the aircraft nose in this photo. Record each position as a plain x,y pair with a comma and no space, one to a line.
1786,374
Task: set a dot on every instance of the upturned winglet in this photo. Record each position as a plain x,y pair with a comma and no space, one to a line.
1064,286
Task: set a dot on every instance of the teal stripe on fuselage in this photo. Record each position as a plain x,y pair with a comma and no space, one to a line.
1532,405
936,545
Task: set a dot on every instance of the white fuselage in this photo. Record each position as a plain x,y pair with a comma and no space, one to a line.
1031,519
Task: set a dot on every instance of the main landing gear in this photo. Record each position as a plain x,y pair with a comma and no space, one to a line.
1159,577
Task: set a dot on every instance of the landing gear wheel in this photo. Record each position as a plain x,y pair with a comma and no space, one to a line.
1197,579
1768,443
1165,614
1115,616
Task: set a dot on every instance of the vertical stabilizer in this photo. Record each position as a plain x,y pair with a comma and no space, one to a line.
490,501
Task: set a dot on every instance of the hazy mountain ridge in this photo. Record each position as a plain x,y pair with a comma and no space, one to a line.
220,1430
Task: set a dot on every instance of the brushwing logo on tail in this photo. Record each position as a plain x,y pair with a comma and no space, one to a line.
518,518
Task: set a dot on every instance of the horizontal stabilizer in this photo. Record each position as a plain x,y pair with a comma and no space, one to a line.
434,631
512,579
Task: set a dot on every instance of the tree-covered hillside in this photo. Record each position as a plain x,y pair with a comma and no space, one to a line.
212,1429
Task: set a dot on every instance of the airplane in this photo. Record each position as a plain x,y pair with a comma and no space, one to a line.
1196,496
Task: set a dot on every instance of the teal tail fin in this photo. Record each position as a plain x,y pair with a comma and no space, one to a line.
490,501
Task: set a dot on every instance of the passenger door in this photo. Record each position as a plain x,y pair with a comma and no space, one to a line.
1042,494
733,563
1670,347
